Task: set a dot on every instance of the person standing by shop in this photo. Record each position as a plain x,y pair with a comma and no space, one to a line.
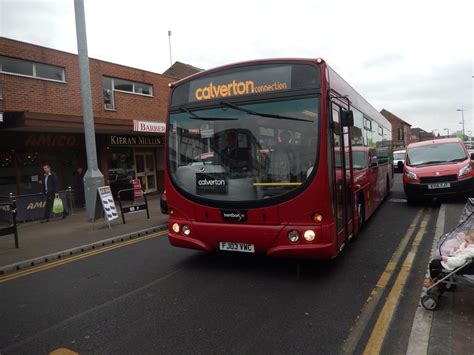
78,187
50,190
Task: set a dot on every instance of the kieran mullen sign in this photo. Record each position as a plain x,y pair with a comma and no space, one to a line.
134,140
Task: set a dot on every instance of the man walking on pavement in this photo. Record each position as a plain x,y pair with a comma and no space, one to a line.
50,189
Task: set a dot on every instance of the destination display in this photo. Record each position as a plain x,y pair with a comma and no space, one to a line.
246,81
249,82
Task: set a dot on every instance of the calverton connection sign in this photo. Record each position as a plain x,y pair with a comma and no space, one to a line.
255,80
235,89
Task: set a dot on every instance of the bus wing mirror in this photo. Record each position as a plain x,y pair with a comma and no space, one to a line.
347,118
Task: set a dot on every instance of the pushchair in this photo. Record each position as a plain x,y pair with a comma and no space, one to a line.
462,275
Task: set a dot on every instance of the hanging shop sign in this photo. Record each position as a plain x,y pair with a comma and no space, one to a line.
127,141
148,126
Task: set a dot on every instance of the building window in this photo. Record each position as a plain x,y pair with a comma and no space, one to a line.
31,69
401,135
122,85
108,93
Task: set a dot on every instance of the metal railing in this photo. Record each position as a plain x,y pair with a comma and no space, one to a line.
9,208
30,207
133,207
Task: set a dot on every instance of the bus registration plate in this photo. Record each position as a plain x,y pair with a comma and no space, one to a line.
442,185
241,247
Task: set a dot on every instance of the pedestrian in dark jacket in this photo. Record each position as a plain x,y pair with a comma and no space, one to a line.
50,190
78,187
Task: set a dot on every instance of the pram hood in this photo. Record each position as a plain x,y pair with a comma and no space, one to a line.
455,237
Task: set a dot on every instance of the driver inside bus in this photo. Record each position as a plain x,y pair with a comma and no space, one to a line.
232,156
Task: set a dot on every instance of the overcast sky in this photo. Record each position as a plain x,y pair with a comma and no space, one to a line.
413,58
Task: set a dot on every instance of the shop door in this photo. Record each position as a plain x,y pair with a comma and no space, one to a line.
146,170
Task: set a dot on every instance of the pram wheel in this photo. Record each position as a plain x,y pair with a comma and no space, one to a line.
430,302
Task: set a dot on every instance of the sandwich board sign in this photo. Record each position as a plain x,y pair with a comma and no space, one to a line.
108,204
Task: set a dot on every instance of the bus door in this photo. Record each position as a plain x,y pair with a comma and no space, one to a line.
342,194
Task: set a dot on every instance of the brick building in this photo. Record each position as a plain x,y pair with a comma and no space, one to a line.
401,130
181,70
42,118
419,135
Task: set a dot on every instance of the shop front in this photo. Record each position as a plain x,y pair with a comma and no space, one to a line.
23,154
134,157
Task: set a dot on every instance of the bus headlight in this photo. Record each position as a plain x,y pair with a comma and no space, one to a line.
186,230
175,227
466,170
293,236
309,235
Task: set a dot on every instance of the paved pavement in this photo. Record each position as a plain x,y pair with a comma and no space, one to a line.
449,330
42,239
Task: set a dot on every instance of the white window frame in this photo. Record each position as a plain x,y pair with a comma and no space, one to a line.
34,71
133,87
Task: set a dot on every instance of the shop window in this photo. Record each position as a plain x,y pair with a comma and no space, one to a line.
121,165
7,174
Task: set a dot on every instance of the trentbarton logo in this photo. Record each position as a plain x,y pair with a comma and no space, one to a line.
236,88
236,216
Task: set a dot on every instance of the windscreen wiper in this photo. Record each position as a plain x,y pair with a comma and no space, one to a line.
196,117
457,160
261,114
429,162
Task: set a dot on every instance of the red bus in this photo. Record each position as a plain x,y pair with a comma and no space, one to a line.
255,163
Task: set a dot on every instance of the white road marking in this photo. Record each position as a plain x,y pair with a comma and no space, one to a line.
400,200
420,331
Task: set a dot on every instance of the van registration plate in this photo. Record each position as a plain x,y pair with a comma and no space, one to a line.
240,247
441,185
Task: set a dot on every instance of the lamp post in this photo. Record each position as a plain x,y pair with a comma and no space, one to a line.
446,129
169,40
462,115
93,178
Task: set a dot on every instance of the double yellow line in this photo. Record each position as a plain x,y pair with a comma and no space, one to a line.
84,255
381,328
